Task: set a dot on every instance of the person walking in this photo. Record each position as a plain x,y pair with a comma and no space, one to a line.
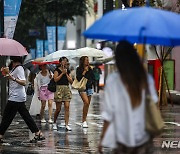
63,93
43,78
16,101
123,108
84,70
97,71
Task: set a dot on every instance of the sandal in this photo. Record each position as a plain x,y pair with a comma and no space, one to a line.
37,137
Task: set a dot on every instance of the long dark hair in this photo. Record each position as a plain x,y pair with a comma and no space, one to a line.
81,62
16,59
131,71
61,59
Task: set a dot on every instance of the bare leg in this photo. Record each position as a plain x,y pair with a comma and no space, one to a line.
89,99
58,109
43,104
50,108
86,105
66,116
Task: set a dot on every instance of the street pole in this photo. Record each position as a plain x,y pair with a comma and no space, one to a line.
44,38
56,12
2,61
2,17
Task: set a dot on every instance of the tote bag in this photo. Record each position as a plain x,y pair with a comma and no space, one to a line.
154,122
80,85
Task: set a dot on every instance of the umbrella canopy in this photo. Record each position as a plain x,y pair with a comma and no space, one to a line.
33,65
61,53
105,60
10,47
138,25
32,68
90,52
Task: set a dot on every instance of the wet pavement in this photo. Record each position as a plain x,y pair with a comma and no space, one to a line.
79,140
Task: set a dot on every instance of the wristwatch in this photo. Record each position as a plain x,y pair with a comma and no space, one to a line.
14,79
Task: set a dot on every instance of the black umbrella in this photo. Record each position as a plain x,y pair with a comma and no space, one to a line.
35,68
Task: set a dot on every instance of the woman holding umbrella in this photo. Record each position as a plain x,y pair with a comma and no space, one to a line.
63,93
43,78
123,108
84,70
16,101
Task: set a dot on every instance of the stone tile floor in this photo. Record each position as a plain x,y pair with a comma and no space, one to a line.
79,140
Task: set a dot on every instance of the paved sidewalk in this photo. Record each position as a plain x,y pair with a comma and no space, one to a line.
79,140
175,96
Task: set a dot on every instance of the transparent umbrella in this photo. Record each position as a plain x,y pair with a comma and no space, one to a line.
66,53
90,52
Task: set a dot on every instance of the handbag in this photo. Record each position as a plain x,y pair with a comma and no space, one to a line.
30,89
80,85
52,85
154,122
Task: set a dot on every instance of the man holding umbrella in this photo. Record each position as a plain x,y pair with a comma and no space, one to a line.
16,101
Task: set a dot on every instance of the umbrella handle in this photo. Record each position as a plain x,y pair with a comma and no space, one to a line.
147,3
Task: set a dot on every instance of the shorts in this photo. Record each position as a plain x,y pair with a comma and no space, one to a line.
62,94
45,94
89,92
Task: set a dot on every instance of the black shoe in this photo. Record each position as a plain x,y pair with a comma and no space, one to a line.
38,137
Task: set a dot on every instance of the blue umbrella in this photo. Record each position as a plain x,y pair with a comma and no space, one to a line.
144,25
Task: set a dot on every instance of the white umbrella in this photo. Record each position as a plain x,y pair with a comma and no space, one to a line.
106,60
90,52
61,53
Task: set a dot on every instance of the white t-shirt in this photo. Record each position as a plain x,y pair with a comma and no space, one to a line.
127,125
43,80
17,92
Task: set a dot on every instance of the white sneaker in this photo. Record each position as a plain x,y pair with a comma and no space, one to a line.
84,124
43,121
50,121
54,126
68,128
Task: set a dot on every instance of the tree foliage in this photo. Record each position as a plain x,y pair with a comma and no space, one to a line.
35,14
142,2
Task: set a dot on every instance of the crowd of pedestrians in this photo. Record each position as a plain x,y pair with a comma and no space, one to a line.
123,107
63,79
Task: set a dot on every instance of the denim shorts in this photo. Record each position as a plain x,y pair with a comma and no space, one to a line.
89,92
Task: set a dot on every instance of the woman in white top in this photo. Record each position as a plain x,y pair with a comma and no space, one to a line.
123,108
43,78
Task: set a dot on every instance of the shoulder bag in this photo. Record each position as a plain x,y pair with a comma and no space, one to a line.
52,85
80,85
154,122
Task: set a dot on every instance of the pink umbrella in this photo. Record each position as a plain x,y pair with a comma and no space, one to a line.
10,47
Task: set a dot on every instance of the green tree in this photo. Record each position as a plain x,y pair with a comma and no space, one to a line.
35,14
142,2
